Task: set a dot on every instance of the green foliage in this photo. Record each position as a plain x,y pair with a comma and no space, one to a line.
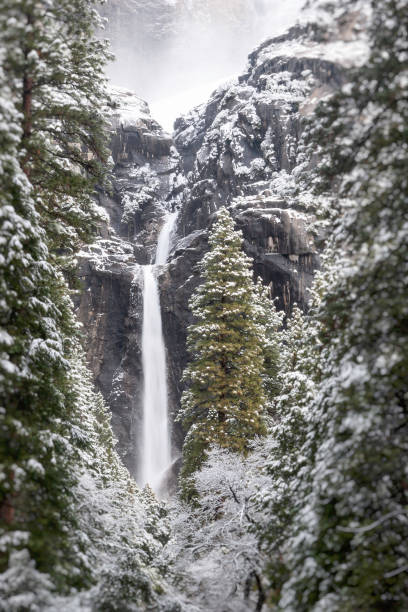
36,402
114,533
269,322
121,528
127,589
347,549
278,502
55,68
225,399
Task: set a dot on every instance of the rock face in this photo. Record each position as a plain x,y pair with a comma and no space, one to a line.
240,150
147,181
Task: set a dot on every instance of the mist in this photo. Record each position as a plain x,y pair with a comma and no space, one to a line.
174,53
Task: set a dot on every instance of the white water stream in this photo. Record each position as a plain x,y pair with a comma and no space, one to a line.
156,444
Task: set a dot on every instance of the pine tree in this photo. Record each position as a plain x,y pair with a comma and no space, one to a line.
349,549
70,515
225,399
269,322
283,495
55,67
51,102
37,405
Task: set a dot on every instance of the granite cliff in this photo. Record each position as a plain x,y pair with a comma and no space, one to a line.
242,149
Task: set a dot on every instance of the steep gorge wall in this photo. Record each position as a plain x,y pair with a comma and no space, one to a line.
147,181
240,150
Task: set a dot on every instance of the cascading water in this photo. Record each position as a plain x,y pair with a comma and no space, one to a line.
164,242
156,446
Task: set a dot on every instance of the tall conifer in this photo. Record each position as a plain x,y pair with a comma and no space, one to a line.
225,398
349,546
55,69
36,403
269,321
52,148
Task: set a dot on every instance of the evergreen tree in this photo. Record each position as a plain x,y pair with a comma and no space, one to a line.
225,399
269,322
37,406
348,549
51,101
55,68
70,515
282,495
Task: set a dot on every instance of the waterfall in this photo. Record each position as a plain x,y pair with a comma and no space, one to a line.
164,242
156,445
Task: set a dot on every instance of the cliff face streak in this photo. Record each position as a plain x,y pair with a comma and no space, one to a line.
241,150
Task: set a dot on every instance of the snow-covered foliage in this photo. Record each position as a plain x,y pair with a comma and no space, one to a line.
23,587
228,547
354,525
122,529
55,70
233,354
285,464
329,500
269,322
214,547
334,521
312,516
36,408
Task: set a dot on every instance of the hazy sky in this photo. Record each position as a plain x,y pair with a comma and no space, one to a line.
191,47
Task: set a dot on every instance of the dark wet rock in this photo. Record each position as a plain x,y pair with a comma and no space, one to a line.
147,182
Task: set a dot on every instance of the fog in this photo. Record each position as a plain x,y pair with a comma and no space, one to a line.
174,53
